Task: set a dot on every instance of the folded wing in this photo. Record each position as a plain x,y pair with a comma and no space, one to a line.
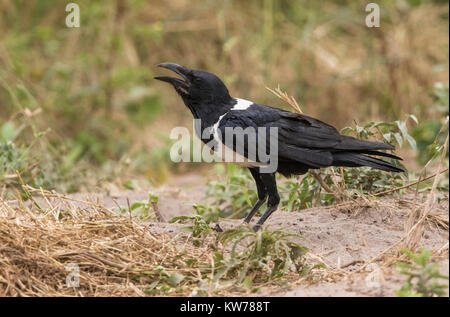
305,140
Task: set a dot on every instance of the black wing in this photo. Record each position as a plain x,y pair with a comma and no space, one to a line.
301,138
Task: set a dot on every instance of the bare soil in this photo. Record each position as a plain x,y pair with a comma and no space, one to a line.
342,237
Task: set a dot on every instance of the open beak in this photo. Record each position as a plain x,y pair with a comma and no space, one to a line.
180,85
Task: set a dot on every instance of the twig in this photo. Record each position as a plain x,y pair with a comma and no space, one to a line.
325,186
411,184
415,232
294,105
158,214
441,249
420,221
351,263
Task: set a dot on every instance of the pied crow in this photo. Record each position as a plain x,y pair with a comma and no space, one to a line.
303,142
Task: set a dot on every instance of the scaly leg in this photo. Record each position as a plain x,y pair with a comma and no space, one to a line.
262,194
270,184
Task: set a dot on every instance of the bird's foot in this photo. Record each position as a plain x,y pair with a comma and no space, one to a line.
217,228
256,227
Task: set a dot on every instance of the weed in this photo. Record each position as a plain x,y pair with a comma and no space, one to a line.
198,227
207,212
246,256
422,276
142,210
352,181
432,132
301,193
12,159
391,132
18,158
257,256
165,283
234,195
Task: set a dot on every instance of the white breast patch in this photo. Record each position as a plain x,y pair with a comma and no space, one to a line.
223,151
242,104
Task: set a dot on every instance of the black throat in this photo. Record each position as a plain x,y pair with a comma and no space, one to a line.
209,112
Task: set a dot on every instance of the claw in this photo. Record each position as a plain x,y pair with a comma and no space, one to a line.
217,228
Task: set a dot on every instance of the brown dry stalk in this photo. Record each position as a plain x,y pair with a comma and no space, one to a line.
290,100
116,255
112,252
326,187
415,231
410,184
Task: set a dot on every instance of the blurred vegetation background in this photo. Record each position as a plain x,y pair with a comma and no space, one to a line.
79,106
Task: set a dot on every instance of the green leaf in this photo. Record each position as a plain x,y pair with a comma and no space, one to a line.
175,219
187,229
151,287
136,205
398,138
411,142
175,279
153,197
8,131
190,262
248,280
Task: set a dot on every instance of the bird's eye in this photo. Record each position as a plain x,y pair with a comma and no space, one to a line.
197,80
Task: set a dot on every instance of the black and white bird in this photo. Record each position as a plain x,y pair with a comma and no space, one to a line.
303,142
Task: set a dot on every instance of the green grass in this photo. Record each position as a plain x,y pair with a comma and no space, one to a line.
258,256
82,100
141,210
244,257
423,277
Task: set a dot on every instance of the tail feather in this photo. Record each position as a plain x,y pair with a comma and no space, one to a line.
349,143
377,153
352,159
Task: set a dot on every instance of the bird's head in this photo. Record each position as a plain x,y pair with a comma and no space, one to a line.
196,86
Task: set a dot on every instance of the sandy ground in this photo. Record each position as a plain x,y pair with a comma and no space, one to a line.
341,238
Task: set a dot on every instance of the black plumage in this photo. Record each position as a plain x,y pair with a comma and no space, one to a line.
303,142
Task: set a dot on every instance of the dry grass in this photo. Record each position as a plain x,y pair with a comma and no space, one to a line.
339,76
116,256
414,228
419,215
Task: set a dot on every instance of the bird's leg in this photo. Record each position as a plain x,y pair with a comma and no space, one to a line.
273,201
262,194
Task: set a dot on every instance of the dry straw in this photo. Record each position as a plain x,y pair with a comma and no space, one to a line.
115,255
419,216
